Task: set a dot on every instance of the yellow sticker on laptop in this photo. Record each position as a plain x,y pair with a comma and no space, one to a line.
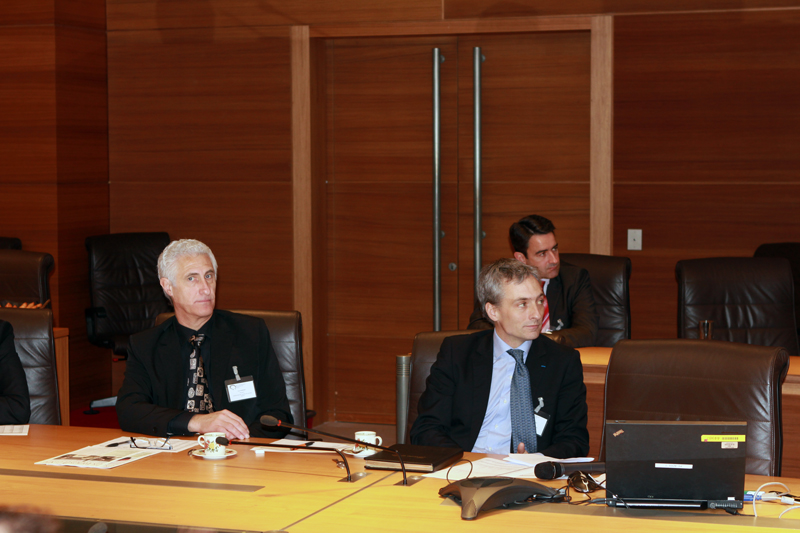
722,438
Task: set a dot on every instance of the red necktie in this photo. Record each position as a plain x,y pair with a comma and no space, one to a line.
545,312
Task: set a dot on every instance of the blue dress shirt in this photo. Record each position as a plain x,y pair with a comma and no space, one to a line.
495,433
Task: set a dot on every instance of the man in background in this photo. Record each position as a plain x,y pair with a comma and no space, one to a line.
570,316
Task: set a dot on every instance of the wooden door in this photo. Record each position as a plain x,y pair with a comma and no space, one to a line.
379,186
379,211
535,142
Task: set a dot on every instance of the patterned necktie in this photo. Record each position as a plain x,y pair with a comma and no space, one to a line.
198,399
523,423
545,312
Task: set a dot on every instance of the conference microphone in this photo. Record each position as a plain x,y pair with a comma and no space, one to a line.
553,470
271,421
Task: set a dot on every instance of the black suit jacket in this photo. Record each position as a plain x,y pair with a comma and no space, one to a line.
152,393
15,403
570,300
453,406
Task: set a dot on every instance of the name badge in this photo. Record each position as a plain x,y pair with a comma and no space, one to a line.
240,388
541,422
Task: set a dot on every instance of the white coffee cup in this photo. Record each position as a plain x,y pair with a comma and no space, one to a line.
370,437
209,442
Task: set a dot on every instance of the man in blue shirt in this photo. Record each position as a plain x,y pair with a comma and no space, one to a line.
508,388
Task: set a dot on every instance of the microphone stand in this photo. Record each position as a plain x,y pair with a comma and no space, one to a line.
348,479
274,422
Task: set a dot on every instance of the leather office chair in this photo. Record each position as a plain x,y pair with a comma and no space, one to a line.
423,355
286,332
35,345
610,287
10,243
790,251
681,379
750,300
25,277
126,294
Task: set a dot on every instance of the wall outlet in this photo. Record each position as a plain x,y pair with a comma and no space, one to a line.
634,239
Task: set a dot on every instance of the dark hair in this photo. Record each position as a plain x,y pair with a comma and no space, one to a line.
521,231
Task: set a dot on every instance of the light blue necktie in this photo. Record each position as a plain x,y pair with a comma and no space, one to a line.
523,423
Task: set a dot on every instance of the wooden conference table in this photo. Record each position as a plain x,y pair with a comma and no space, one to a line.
297,493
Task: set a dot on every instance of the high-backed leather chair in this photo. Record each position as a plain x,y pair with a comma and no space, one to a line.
10,243
790,251
749,299
286,333
423,355
35,345
25,277
610,286
125,291
681,379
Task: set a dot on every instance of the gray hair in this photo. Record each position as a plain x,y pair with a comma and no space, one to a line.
167,261
494,276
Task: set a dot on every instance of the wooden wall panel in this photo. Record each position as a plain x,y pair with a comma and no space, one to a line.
200,105
82,108
82,212
150,14
26,12
526,8
27,105
705,127
82,148
247,226
709,97
29,212
81,13
602,136
53,156
319,117
688,221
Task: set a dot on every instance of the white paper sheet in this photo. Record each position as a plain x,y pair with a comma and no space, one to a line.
14,431
302,446
533,459
486,467
99,457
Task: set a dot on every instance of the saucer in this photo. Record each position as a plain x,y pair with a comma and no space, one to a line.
201,453
362,454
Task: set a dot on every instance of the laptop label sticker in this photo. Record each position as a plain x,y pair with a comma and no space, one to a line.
677,466
722,438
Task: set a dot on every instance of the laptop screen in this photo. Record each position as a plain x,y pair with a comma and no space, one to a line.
675,463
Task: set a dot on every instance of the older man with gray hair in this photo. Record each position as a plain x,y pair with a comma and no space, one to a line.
509,388
202,370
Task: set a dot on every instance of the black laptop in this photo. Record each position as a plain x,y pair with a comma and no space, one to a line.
665,464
